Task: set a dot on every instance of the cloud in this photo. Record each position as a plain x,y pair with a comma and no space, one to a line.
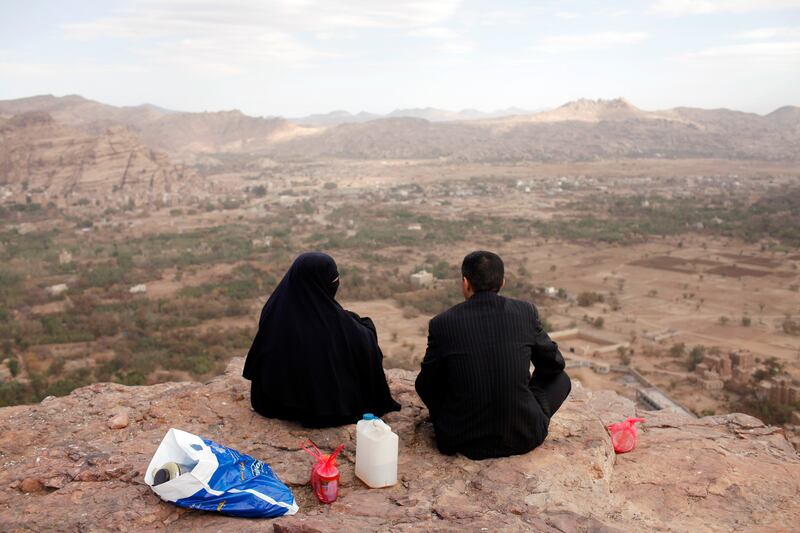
770,33
451,42
238,36
567,15
157,19
588,41
14,69
763,51
515,16
455,47
435,32
677,8
231,53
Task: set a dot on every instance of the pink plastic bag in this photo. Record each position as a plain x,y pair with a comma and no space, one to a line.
324,474
623,434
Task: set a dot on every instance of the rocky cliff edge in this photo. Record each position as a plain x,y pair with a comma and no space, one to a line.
77,464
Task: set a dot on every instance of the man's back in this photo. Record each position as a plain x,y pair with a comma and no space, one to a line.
476,381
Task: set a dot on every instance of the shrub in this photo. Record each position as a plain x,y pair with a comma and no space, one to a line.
15,393
586,299
677,350
696,357
103,276
13,366
790,326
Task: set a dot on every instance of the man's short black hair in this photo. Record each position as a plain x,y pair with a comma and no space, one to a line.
484,271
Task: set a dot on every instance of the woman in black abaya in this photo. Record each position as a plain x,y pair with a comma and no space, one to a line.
311,360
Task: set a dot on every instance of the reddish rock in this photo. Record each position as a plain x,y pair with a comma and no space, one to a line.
119,421
31,485
718,473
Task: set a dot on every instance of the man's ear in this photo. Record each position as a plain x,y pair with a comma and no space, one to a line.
466,287
502,285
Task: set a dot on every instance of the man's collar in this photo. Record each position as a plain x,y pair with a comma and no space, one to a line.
484,295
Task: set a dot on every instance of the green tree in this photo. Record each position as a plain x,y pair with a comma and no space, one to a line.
13,366
677,350
696,357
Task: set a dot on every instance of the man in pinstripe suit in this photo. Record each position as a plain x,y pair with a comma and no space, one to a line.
476,379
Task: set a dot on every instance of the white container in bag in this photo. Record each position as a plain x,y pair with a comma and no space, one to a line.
376,452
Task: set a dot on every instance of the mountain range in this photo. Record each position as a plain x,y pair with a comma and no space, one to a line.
430,114
577,131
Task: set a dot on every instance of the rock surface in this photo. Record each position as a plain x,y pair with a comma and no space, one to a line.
55,161
63,469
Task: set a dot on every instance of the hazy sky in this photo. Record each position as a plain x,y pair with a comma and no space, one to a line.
293,57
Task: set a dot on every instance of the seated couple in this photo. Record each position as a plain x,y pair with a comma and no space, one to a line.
316,363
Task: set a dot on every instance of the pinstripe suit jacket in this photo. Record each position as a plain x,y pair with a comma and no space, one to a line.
476,374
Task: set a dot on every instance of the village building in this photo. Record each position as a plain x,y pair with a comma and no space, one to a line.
421,279
55,290
138,289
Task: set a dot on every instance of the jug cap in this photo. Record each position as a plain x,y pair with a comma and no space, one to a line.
369,416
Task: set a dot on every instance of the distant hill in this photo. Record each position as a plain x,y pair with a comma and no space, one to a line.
430,114
787,116
86,115
161,129
335,117
582,130
221,131
53,162
585,110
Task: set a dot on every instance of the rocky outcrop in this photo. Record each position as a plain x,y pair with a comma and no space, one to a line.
76,464
55,162
160,129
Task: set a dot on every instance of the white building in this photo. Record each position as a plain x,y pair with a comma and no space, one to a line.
55,290
422,279
138,289
266,242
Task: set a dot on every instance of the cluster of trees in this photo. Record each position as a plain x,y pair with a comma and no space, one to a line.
632,219
136,357
790,326
432,301
587,299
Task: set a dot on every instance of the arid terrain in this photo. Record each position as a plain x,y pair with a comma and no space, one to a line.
138,244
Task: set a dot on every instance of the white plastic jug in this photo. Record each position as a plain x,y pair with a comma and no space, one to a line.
376,452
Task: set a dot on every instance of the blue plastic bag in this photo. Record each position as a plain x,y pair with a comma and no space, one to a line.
216,478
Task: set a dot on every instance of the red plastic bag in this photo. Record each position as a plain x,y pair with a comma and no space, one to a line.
324,474
623,434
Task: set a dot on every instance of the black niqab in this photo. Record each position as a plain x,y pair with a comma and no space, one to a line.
311,360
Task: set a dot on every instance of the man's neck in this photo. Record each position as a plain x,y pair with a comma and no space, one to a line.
483,294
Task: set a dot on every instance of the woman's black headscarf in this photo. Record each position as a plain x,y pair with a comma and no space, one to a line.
311,360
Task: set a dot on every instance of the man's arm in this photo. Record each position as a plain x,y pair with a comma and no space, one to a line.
545,355
429,384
